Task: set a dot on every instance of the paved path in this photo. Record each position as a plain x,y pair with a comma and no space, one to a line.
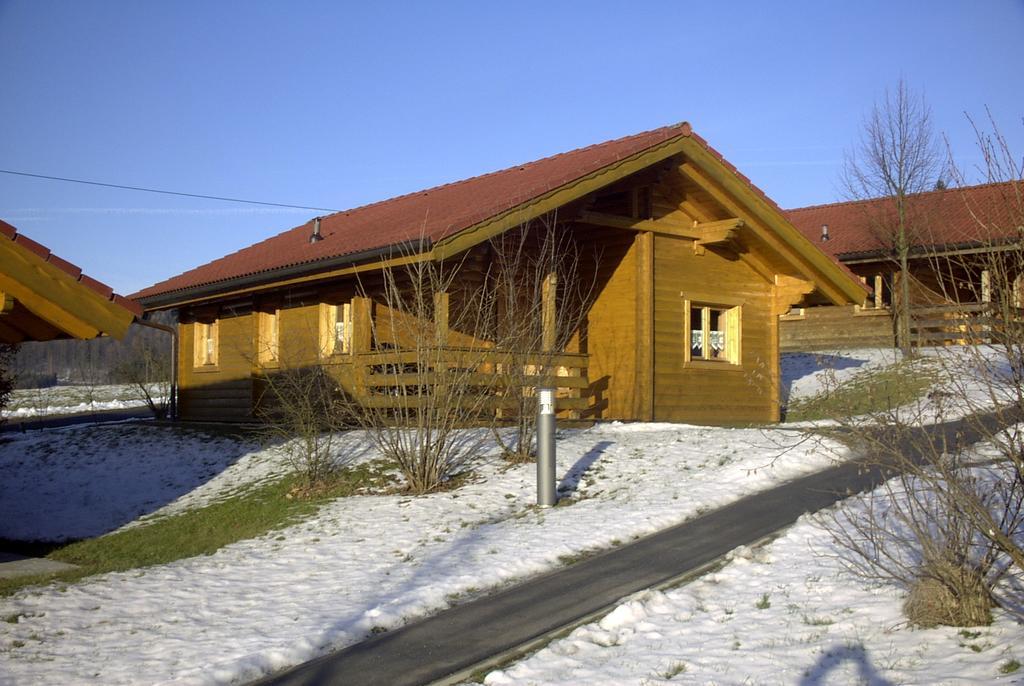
450,646
14,565
467,635
51,422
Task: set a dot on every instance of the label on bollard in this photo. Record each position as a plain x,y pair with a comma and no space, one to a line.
546,398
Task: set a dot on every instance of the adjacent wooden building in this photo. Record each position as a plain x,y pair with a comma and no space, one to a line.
954,233
690,267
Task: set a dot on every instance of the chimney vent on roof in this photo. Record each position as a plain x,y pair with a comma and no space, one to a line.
315,236
824,233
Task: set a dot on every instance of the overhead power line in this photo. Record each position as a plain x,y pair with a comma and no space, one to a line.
155,190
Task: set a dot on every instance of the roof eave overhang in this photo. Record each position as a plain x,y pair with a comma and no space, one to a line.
282,276
931,251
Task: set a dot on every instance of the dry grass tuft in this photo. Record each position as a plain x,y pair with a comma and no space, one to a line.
949,595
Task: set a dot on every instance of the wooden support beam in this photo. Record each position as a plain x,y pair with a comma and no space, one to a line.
644,392
6,303
718,232
362,325
704,233
549,313
441,302
767,223
788,291
659,226
878,291
719,225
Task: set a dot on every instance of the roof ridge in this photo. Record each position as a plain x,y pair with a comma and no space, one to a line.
683,126
844,203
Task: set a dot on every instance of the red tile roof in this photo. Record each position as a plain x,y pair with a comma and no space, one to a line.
432,214
11,233
951,217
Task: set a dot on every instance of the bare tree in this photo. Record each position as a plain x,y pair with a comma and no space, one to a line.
897,157
950,527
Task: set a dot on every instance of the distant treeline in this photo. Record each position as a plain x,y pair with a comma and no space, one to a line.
38,365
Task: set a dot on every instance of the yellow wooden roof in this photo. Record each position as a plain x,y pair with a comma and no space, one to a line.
43,297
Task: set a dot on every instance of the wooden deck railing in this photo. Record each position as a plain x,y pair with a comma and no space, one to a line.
961,324
485,379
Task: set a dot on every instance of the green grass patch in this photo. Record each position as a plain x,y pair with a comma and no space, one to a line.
204,530
875,390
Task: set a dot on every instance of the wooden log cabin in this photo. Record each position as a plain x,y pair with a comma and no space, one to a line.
955,235
690,266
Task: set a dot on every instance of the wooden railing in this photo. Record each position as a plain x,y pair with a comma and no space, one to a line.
960,324
483,379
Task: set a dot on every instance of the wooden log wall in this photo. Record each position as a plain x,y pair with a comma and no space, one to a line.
610,335
711,392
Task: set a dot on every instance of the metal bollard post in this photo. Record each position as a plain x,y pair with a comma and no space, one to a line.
546,495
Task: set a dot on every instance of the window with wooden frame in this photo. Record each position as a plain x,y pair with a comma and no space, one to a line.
335,329
205,344
714,333
268,331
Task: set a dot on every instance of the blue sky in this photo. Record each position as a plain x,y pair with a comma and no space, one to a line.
336,104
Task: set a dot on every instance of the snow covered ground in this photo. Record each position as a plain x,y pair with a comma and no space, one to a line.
85,481
364,563
373,562
790,612
784,614
807,374
62,400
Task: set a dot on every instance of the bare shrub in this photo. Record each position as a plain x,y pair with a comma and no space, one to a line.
430,380
148,374
532,268
458,346
304,412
